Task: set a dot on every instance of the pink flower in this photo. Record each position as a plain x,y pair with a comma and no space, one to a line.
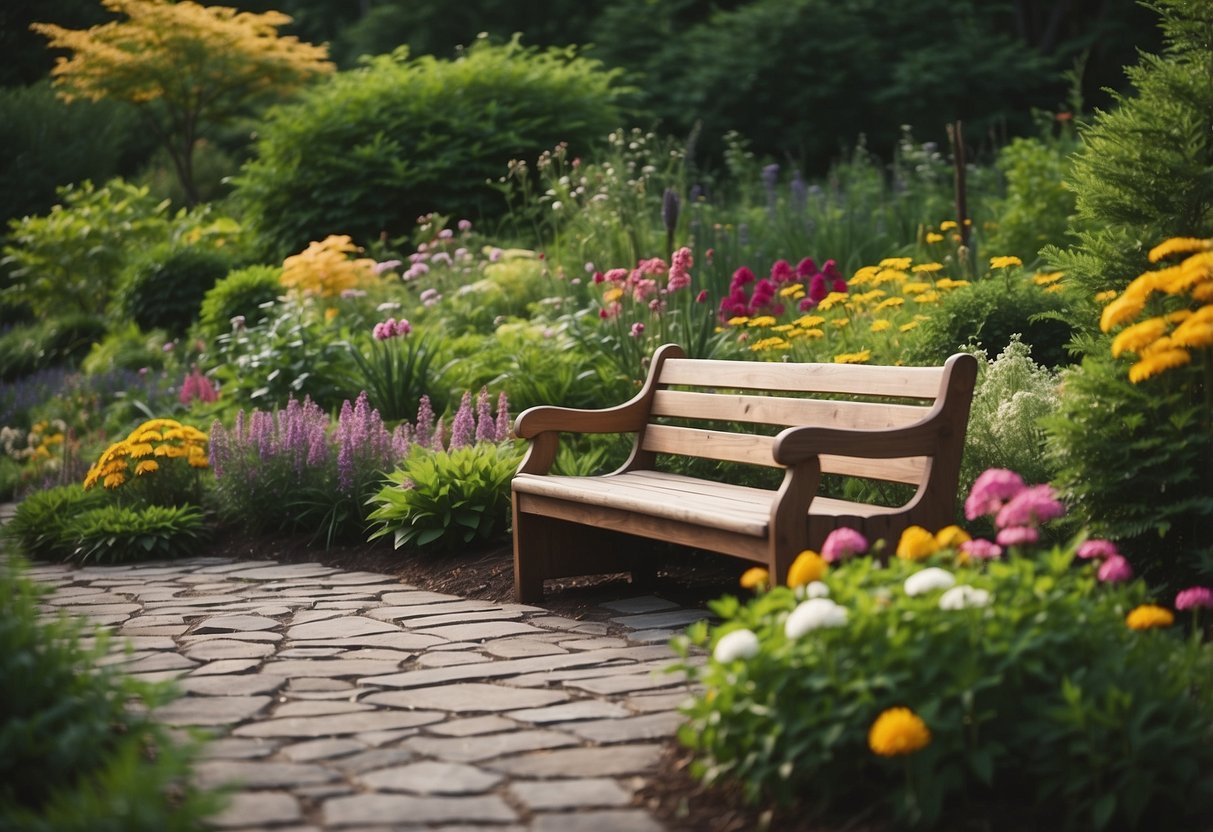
384,329
402,328
1018,535
1194,597
991,491
617,275
599,277
387,266
1115,569
465,225
644,289
842,543
806,304
817,288
1098,549
806,268
781,272
741,277
981,549
702,297
1031,506
637,330
446,234
680,275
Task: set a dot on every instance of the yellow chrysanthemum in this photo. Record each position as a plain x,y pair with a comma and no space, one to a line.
927,268
808,567
1202,293
949,283
762,320
892,276
755,578
908,327
916,543
947,225
114,480
611,295
1101,297
1045,278
199,461
927,297
933,238
950,537
1148,617
737,321
888,302
1124,308
841,322
915,288
791,290
773,343
1178,245
783,328
880,325
1156,363
1193,335
1139,335
864,275
1005,262
899,263
898,731
809,333
807,321
831,300
853,357
147,466
139,449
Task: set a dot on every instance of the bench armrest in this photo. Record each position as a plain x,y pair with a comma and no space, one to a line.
796,445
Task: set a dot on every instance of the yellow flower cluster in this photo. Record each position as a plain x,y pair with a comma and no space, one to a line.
1166,341
327,268
898,731
1149,617
152,440
808,567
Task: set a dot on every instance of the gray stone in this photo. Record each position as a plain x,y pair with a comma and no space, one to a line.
344,627
608,761
477,748
331,668
318,708
609,685
429,777
461,618
373,759
593,643
225,667
145,643
609,820
259,774
489,670
467,698
647,703
152,630
381,653
640,604
595,792
285,572
367,809
447,658
517,648
648,621
101,609
236,748
338,724
392,641
311,652
645,727
659,636
211,710
325,749
159,661
308,616
582,709
479,631
258,810
235,623
472,726
318,683
433,608
265,637
228,649
416,596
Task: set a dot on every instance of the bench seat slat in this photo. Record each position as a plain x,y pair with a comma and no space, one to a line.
850,379
787,412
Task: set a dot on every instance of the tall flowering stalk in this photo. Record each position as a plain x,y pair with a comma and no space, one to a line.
394,367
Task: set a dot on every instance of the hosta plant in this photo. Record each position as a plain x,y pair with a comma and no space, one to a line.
961,675
121,534
40,527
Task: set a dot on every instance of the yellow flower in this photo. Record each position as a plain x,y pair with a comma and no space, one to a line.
891,276
932,237
773,343
146,467
1149,616
1138,336
899,263
1178,245
908,327
841,322
927,297
809,321
755,578
898,731
1005,262
853,357
1045,278
831,300
762,320
611,295
864,275
949,283
1124,308
737,321
808,567
1159,362
887,302
947,225
915,288
114,480
916,543
809,333
880,325
1193,333
791,290
330,313
1100,297
950,537
927,268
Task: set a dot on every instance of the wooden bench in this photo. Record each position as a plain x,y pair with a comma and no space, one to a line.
557,518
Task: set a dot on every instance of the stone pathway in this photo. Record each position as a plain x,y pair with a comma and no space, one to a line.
349,701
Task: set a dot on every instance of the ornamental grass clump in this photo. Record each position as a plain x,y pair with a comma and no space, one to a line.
960,682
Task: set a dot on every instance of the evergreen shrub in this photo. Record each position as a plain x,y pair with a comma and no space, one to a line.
164,287
240,293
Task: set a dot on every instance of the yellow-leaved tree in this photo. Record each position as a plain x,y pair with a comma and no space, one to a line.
186,67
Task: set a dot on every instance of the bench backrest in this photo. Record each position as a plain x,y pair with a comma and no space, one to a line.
788,395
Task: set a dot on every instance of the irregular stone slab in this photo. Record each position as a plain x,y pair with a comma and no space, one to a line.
610,685
447,658
311,684
311,652
216,649
645,727
307,616
285,572
479,631
609,761
429,777
101,609
145,643
416,596
235,623
592,792
338,724
652,636
248,684
235,566
392,641
659,701
170,630
259,774
640,604
370,809
611,820
211,710
594,671
319,708
334,668
475,749
363,578
380,653
555,622
517,648
235,748
467,697
258,810
487,670
159,661
461,618
373,759
593,643
343,627
186,602
648,621
120,656
594,709
472,726
420,610
326,749
225,667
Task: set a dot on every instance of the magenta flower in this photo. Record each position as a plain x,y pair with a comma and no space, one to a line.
1018,535
806,268
637,330
842,543
991,492
981,549
1097,549
741,277
465,225
781,272
818,288
1195,597
1030,507
680,269
1115,569
402,328
387,266
702,297
617,275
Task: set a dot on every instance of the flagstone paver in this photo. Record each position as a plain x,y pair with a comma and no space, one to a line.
349,702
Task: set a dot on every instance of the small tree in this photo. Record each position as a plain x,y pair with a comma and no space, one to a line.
184,65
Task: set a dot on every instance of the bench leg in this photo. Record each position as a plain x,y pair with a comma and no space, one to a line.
531,555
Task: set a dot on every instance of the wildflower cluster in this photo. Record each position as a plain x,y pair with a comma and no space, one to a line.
1167,340
149,449
784,283
391,328
197,387
327,268
35,444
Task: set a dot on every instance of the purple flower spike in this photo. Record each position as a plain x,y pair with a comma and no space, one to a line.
503,417
424,432
463,427
486,428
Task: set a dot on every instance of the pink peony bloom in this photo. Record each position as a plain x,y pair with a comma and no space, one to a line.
1194,597
1115,569
981,549
1030,507
1018,535
617,275
991,491
1098,549
843,543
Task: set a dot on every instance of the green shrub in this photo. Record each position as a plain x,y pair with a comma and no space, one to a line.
41,526
26,348
438,501
77,752
164,287
241,293
121,534
395,368
126,348
1036,210
371,149
1033,692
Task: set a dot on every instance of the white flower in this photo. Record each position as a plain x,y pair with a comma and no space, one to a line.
814,589
739,644
960,597
929,579
814,614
